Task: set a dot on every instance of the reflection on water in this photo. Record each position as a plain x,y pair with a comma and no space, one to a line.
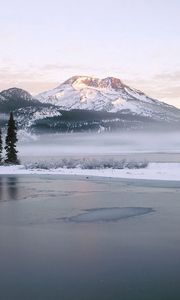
8,188
1,188
12,188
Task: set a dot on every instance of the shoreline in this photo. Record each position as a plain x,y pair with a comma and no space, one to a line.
154,171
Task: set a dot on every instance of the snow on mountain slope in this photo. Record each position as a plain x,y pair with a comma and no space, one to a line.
2,99
109,94
15,98
87,104
27,117
27,110
16,93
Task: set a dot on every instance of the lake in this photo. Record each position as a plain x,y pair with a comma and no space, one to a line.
70,237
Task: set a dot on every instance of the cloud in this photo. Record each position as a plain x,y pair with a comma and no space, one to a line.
31,80
164,87
58,66
169,92
168,76
79,67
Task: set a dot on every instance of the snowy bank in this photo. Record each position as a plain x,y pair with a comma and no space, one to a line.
155,171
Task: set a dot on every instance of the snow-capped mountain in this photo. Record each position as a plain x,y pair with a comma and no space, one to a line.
109,94
15,98
87,104
26,108
16,93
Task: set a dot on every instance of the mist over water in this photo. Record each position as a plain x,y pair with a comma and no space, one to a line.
133,145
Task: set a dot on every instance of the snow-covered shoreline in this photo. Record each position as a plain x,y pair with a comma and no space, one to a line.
154,171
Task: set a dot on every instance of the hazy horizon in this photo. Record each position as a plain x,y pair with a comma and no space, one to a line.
45,43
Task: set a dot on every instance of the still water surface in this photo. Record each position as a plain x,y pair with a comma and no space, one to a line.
47,254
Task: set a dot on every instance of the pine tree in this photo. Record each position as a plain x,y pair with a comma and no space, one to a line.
11,140
1,146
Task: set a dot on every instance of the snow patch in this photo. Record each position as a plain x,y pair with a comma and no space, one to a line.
154,171
87,164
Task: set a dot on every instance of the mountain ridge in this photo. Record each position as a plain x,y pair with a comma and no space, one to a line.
84,103
108,94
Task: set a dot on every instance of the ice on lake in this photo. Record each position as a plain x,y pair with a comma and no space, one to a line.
46,257
109,214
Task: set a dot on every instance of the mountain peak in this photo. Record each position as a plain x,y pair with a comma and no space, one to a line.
111,82
15,98
108,95
16,93
72,79
82,81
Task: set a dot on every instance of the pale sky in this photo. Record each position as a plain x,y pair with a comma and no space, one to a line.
45,42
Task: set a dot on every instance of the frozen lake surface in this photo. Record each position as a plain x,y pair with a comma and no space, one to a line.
109,214
65,237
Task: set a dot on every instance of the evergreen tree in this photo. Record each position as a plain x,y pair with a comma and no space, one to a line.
11,140
1,146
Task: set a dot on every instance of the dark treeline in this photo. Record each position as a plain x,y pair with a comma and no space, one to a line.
10,143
